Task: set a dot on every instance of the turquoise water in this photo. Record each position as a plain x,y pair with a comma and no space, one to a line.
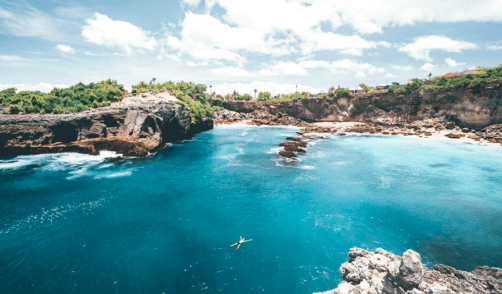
73,223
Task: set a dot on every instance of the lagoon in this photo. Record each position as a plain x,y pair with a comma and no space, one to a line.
72,223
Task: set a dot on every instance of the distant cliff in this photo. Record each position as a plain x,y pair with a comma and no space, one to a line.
132,130
469,107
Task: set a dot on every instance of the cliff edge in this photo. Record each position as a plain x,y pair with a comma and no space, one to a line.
472,107
132,130
383,272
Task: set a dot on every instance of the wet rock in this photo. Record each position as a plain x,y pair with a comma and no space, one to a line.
287,154
299,144
297,139
454,136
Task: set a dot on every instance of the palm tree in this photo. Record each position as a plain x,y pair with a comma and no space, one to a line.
430,75
255,90
296,89
210,91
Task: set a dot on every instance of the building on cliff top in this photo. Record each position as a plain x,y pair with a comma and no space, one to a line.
357,90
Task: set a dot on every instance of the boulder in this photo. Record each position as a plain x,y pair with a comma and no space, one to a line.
383,272
287,154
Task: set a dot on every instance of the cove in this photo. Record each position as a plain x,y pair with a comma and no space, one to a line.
72,223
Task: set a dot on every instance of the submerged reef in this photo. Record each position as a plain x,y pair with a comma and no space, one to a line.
383,272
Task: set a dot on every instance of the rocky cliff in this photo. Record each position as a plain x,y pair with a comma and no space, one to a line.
383,272
469,107
132,130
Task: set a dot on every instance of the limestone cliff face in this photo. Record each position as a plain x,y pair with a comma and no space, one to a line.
133,130
470,107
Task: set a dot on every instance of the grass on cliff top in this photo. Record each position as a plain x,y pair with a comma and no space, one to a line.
267,97
191,95
471,80
76,98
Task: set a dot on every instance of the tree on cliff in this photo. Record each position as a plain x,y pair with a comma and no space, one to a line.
264,96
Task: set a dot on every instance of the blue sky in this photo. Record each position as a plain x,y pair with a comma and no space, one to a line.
242,45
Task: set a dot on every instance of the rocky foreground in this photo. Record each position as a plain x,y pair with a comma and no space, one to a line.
383,272
133,129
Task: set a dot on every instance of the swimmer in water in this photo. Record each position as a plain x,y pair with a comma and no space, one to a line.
243,240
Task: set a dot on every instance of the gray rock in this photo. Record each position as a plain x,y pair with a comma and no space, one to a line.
133,129
382,272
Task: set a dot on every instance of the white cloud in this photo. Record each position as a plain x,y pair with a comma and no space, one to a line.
343,66
191,2
273,88
365,16
422,46
35,23
493,47
232,71
452,62
103,31
389,75
191,63
285,68
163,54
90,53
10,58
42,87
428,67
65,49
402,67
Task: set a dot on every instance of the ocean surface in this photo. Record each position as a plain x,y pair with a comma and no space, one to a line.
72,223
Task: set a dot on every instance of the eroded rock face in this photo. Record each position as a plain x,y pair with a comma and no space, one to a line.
382,272
469,107
132,130
257,117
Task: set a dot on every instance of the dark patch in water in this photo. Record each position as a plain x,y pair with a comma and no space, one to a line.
437,165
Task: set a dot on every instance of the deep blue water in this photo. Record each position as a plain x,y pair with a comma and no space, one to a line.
74,223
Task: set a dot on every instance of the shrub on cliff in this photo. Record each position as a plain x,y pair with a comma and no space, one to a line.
76,98
342,92
264,96
192,95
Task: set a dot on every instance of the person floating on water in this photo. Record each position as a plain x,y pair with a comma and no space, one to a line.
243,240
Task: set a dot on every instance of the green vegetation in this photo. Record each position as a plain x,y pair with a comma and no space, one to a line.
245,97
342,92
470,80
76,98
192,95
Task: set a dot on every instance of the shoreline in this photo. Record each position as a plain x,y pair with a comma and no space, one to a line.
344,128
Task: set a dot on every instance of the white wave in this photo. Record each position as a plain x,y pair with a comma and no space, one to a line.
306,167
23,161
48,216
243,134
274,150
114,175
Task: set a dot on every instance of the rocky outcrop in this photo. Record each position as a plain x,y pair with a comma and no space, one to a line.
383,272
477,107
133,129
256,117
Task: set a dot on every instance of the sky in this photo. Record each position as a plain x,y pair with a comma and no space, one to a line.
269,45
